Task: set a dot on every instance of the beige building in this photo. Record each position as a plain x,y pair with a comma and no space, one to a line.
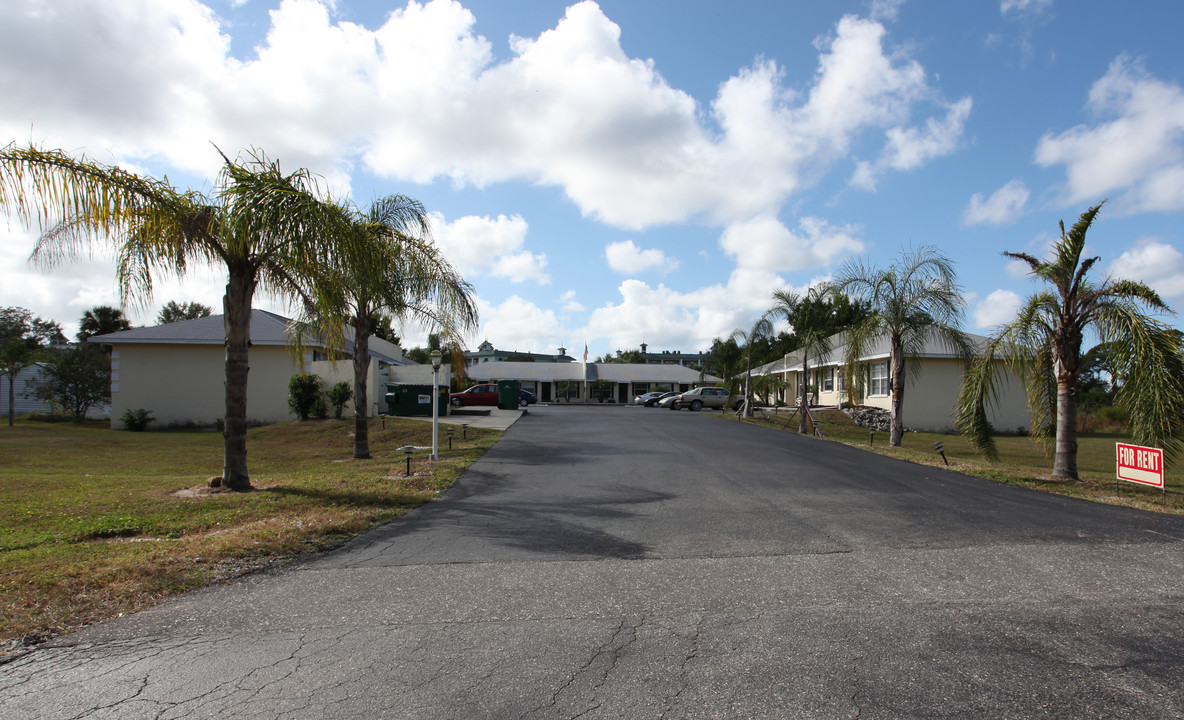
178,370
933,380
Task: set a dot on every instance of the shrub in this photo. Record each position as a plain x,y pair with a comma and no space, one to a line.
136,420
304,391
339,395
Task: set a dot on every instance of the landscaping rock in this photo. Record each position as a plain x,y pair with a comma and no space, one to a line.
872,418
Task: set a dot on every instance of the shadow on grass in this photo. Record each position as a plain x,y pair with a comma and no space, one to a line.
400,498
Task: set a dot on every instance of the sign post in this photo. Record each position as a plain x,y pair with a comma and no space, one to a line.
1142,465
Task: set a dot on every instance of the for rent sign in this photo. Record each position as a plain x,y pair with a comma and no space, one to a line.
1141,465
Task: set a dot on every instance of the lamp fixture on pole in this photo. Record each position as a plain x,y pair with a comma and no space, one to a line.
435,405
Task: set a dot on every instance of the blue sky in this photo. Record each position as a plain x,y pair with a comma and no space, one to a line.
632,171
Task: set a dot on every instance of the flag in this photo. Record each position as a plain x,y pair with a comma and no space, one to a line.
585,352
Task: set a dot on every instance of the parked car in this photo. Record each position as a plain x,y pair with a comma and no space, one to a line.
526,397
651,399
660,398
667,400
476,395
701,397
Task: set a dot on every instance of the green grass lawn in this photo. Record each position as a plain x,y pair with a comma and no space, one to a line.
1021,461
95,523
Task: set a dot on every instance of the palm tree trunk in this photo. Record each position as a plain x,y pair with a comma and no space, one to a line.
803,404
237,305
361,403
1065,462
747,395
897,384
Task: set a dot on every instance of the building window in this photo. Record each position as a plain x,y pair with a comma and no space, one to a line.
828,380
879,384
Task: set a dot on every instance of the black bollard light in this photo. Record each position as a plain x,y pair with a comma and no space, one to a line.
407,450
450,431
941,451
464,429
871,437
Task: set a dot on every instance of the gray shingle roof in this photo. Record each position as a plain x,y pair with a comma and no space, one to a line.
267,328
612,372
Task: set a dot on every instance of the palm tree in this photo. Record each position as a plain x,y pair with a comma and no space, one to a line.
1043,346
391,266
813,327
914,300
724,358
100,320
761,330
268,230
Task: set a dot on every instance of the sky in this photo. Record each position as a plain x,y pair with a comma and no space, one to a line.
632,171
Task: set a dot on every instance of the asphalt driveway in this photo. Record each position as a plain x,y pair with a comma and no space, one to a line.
636,563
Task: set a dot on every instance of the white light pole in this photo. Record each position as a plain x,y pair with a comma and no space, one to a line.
435,405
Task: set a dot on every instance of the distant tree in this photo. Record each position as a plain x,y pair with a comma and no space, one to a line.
19,322
725,358
100,320
915,299
1043,345
383,328
75,379
175,312
24,339
417,354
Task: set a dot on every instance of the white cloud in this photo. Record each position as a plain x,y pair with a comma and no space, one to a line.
628,259
1155,263
1003,207
665,318
996,309
909,148
1022,7
886,10
518,324
520,267
764,242
1138,154
570,304
65,292
568,109
492,246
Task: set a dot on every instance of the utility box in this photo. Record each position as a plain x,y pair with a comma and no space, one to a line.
508,394
414,400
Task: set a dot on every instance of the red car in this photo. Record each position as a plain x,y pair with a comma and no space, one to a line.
476,395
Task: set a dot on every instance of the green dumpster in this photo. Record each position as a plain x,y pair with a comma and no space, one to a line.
507,394
410,400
